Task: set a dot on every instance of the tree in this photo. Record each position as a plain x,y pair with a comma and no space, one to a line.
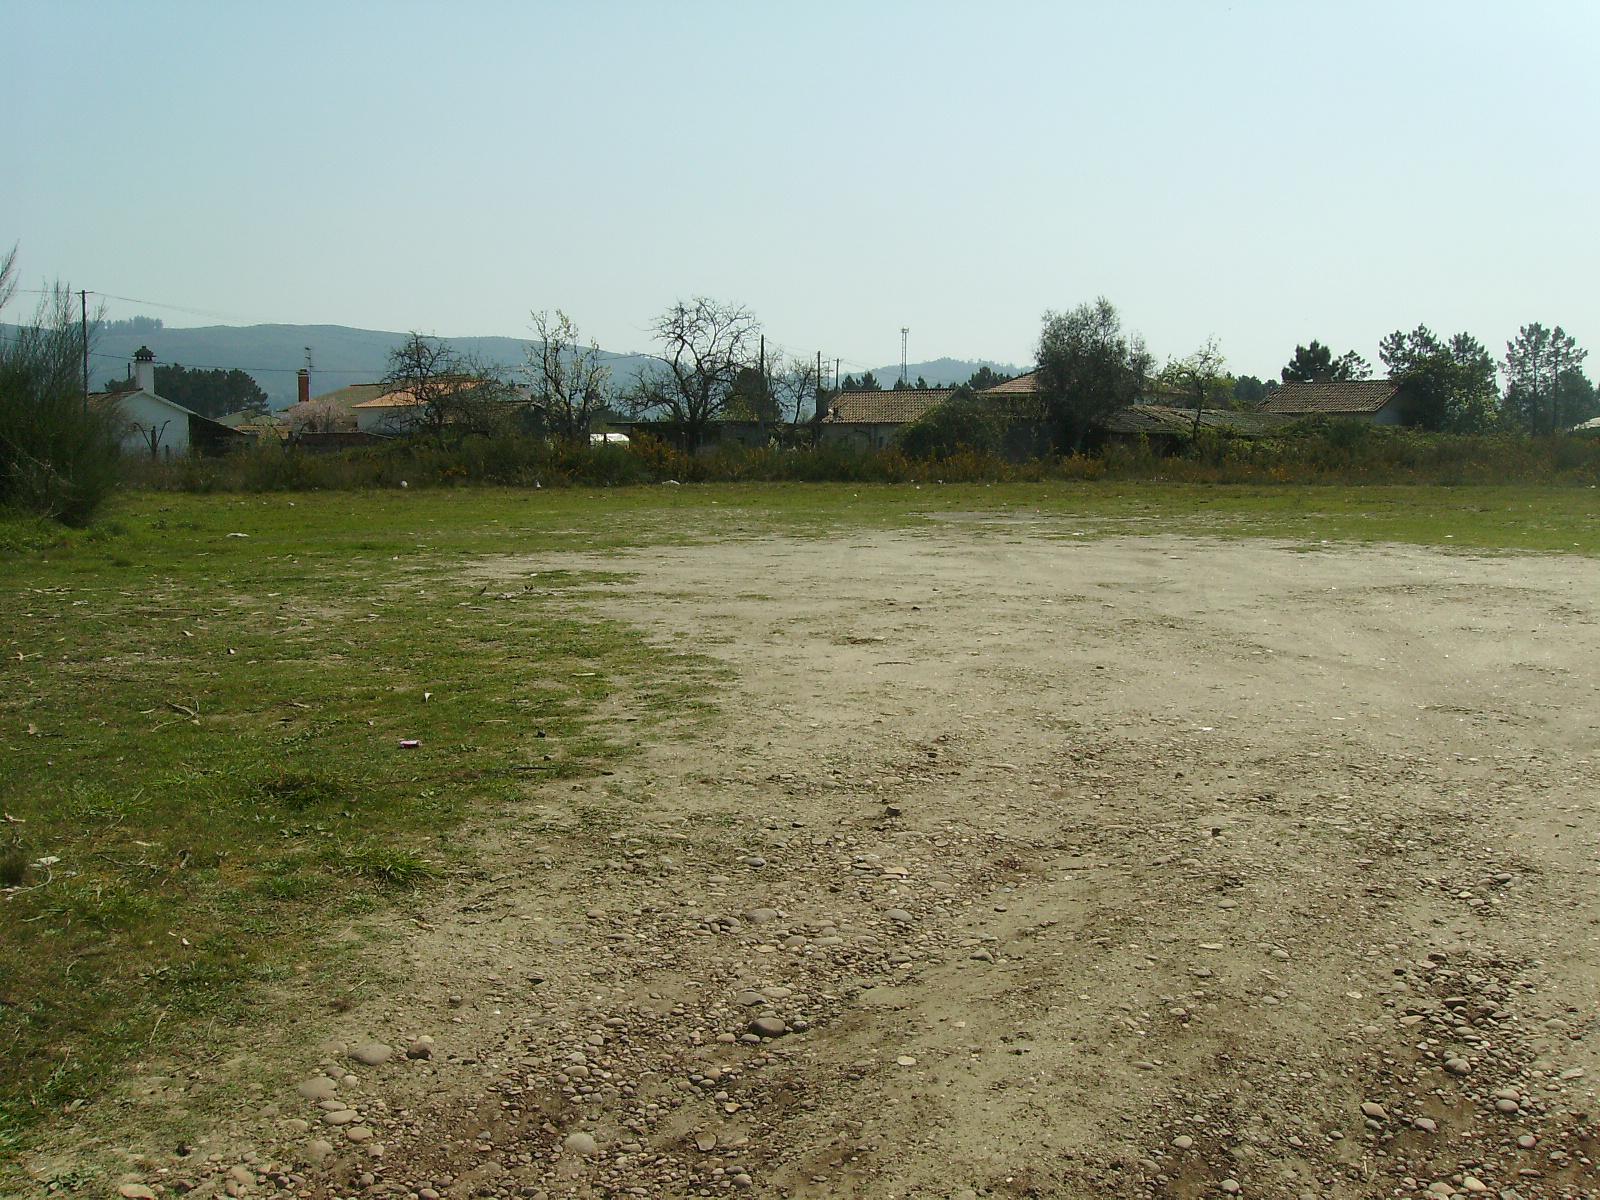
1546,388
58,453
867,383
211,393
1088,367
1248,391
964,422
1316,364
454,395
794,387
1448,386
986,377
567,380
704,344
1202,380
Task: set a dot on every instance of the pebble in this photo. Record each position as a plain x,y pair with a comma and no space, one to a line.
769,1027
706,1141
345,1116
905,1060
1375,1111
359,1133
899,915
760,916
318,1087
1426,1124
1183,1142
581,1144
373,1054
1458,1066
753,860
421,1048
135,1191
1231,1186
982,956
318,1149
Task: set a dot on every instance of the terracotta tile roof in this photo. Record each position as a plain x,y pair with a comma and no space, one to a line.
390,400
1164,418
884,408
1359,396
1022,385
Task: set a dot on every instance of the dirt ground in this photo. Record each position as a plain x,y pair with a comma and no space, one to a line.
1057,866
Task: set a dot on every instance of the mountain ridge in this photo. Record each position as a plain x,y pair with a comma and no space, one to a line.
272,355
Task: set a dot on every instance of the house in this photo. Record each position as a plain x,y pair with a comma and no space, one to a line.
870,420
389,414
1378,401
331,412
160,428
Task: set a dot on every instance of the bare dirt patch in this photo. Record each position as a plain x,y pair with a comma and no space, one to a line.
1056,867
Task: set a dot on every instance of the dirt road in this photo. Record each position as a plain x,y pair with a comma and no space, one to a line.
1048,865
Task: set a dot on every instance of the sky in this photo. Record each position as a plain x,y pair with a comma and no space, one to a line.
1261,173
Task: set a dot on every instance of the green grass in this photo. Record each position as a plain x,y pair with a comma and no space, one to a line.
203,731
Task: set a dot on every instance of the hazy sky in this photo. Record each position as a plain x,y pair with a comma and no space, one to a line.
1264,172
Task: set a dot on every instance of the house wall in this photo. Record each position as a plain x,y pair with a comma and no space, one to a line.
141,412
385,422
858,435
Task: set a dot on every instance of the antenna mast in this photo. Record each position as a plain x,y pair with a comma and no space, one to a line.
903,332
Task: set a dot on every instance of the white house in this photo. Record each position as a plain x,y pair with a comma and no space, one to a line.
157,427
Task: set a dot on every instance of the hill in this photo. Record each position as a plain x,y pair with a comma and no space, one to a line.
341,355
943,372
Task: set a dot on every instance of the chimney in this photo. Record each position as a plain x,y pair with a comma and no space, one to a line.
305,386
144,369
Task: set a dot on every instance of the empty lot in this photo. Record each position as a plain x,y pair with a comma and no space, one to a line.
1059,861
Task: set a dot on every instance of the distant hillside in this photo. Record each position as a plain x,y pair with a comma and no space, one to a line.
942,372
340,355
272,354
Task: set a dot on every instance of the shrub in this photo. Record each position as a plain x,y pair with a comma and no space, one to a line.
961,423
58,456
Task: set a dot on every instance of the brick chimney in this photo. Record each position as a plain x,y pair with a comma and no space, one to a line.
305,386
144,368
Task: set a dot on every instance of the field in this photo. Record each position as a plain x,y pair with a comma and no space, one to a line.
1064,840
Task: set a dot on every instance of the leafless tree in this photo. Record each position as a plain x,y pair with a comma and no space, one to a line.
794,387
1202,379
453,395
704,344
566,377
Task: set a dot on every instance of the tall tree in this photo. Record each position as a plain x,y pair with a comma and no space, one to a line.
704,344
1449,385
1546,388
867,383
1088,366
1316,364
566,378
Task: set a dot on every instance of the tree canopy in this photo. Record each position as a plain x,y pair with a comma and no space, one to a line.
211,393
1316,364
1546,389
1088,366
1449,385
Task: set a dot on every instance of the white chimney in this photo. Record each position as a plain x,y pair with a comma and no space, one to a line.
144,369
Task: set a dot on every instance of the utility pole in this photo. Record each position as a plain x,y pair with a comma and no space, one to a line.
903,332
821,400
836,374
83,328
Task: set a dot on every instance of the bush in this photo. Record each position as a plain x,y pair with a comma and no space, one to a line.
962,423
58,457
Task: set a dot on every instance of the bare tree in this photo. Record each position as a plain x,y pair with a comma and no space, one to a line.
567,378
452,395
704,344
794,387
